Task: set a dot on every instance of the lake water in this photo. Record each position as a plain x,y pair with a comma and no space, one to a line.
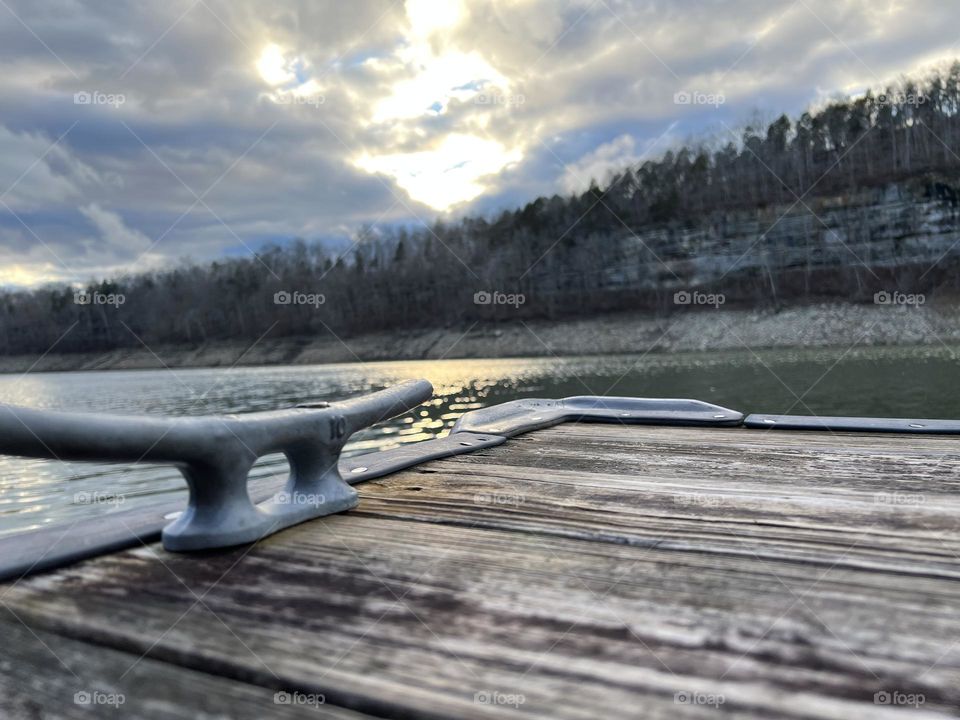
892,382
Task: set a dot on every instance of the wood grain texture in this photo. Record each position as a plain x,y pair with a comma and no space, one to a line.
48,676
585,571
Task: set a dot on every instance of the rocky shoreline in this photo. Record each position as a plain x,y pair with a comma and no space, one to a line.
705,329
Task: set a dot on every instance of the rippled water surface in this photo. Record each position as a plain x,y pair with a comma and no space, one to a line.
898,382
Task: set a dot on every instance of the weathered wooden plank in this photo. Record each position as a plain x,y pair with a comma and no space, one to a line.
720,491
49,676
595,571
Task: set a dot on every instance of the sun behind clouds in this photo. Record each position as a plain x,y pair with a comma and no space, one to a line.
453,167
448,174
274,67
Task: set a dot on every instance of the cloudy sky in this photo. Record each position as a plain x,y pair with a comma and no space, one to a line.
136,134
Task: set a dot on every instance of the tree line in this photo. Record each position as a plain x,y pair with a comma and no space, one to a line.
621,245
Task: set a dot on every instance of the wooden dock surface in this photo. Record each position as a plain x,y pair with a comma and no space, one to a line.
584,571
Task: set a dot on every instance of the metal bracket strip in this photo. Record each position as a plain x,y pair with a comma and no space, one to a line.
854,424
520,416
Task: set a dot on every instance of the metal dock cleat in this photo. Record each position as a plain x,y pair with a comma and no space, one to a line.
215,455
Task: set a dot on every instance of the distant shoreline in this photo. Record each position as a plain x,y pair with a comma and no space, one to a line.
818,325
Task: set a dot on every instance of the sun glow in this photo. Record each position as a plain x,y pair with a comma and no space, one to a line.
429,75
274,67
451,76
16,275
425,74
447,174
428,16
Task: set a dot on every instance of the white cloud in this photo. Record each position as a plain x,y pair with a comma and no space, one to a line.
36,170
598,164
114,234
